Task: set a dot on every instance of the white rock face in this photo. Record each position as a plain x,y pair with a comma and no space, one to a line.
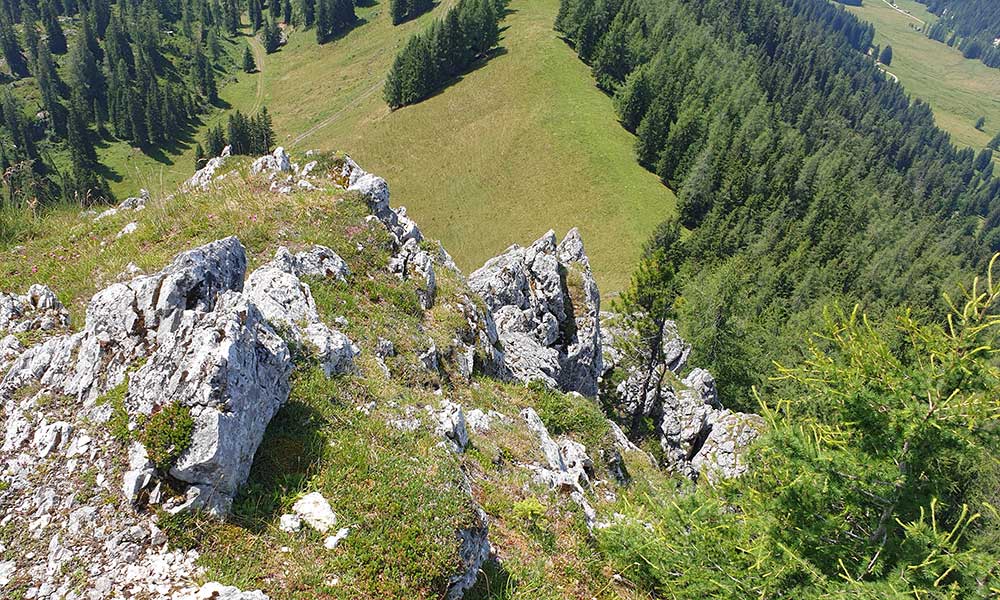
569,467
37,310
201,343
129,229
546,306
334,540
721,457
320,261
125,322
316,512
412,262
290,523
277,161
697,435
204,176
231,369
451,425
287,302
376,190
10,349
473,551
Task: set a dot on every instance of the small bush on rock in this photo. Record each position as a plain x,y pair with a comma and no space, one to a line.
167,435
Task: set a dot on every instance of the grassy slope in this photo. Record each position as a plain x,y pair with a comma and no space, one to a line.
959,90
523,144
402,512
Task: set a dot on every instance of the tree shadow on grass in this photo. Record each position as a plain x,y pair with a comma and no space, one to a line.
478,64
415,16
343,33
108,173
292,446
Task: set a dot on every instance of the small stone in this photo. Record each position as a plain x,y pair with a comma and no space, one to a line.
127,230
290,523
332,541
316,512
7,570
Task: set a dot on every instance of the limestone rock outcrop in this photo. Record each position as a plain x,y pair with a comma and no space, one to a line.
698,436
37,310
287,302
545,304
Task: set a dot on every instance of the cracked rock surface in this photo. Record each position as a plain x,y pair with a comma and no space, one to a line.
546,306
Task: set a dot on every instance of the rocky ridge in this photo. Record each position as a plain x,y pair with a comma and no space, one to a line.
188,366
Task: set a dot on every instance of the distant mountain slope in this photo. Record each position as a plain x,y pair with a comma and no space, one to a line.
519,145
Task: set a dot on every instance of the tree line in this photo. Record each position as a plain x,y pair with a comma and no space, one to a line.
133,71
808,180
971,26
141,71
445,50
244,134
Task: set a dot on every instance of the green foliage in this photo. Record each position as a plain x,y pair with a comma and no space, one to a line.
570,414
994,143
784,178
245,135
868,483
118,424
249,64
167,434
886,56
468,32
980,123
530,510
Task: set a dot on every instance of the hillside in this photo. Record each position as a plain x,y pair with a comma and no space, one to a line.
343,422
960,90
523,143
270,381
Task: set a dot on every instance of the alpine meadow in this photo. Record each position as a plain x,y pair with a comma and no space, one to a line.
499,299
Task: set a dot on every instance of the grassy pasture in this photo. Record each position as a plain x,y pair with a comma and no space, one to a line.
959,90
522,144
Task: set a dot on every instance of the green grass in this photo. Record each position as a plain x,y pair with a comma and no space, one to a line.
520,145
959,90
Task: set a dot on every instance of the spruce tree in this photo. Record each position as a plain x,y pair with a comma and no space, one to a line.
199,157
215,141
886,56
87,185
308,8
632,99
994,143
249,65
652,131
31,36
265,130
393,90
53,31
232,17
397,10
983,159
323,19
11,49
48,81
256,14
343,15
274,6
286,10
86,77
